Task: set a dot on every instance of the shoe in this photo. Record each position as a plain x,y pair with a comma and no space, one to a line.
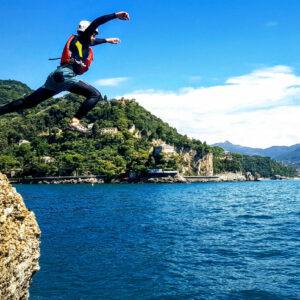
90,126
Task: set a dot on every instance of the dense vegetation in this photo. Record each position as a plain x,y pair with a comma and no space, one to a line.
256,165
36,143
12,89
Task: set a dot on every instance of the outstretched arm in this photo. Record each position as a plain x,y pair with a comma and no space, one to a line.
107,40
102,20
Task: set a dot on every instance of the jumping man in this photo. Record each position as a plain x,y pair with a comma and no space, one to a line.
76,59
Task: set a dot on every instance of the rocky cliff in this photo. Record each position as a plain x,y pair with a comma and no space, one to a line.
19,243
193,165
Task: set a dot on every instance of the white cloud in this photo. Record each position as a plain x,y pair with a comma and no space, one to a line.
111,81
259,109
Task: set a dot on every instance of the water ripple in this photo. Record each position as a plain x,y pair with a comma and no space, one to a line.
198,241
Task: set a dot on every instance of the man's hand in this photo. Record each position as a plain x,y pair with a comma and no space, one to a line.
122,15
113,40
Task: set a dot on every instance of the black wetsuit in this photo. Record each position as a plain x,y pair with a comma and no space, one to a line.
80,88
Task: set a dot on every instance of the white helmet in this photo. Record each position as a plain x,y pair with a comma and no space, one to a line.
83,25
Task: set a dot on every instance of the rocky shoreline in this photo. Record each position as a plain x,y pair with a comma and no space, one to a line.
73,181
178,178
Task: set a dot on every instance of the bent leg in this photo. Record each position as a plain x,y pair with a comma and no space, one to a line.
31,100
92,94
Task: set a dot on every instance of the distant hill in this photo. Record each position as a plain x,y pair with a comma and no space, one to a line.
12,89
286,154
291,157
227,146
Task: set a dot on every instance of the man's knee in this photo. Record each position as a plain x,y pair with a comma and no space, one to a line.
96,94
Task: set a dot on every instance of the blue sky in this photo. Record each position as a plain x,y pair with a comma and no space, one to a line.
166,47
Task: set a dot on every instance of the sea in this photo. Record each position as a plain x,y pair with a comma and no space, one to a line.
167,241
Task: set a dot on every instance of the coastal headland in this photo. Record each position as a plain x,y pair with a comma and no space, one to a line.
126,144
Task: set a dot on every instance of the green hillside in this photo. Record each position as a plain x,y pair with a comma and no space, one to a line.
36,142
289,155
12,89
292,157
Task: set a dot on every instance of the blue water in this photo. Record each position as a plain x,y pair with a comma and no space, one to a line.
196,241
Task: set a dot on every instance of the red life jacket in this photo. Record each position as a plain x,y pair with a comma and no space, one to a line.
66,57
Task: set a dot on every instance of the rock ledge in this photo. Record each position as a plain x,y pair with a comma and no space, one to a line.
19,244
